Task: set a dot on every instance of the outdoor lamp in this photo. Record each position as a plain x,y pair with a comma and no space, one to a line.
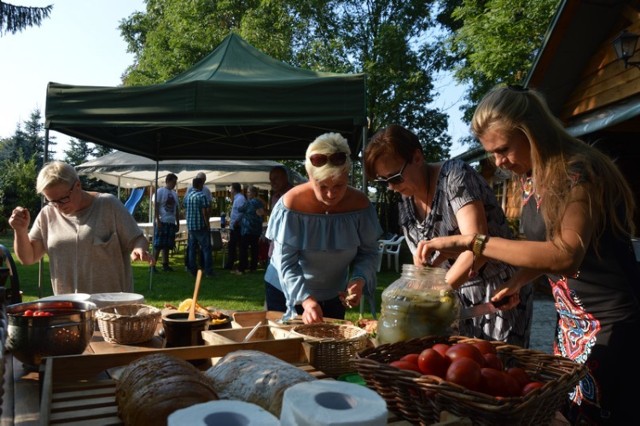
625,47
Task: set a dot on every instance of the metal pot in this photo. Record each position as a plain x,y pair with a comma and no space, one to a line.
67,332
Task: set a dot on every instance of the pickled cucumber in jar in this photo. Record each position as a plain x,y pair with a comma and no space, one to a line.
418,304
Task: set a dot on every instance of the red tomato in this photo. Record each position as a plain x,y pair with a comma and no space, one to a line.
464,372
405,365
520,375
442,348
485,347
431,362
492,382
465,350
493,361
530,387
27,313
512,388
411,358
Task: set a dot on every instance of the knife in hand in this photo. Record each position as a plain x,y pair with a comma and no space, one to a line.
482,309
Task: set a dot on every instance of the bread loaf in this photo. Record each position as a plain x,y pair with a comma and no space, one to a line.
255,377
154,386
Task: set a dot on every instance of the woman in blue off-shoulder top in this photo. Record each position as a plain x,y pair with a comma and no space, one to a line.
325,235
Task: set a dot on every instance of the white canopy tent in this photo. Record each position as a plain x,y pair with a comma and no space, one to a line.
126,170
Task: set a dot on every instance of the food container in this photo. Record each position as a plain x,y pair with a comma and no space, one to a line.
421,399
417,304
67,332
72,297
180,331
128,324
103,300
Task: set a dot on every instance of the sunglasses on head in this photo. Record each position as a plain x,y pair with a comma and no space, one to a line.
336,159
395,179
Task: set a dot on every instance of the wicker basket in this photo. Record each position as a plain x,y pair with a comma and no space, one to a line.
128,324
332,346
421,399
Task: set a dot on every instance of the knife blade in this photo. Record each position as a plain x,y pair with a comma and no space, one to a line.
482,309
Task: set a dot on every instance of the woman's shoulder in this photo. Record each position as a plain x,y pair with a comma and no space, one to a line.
356,199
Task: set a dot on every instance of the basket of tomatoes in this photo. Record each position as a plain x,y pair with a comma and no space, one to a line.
489,382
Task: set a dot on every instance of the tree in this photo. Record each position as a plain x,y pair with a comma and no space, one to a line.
17,18
27,142
17,188
493,42
386,39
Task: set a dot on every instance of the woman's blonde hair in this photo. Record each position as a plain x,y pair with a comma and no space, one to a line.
54,173
556,156
327,144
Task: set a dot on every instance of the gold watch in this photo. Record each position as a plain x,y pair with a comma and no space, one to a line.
478,244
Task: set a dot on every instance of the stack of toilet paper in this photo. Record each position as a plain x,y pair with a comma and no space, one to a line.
332,403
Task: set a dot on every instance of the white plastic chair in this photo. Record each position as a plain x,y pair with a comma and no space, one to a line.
380,254
392,249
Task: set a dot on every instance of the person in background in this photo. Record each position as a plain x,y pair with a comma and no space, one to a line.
451,198
274,297
167,214
235,221
207,195
90,237
250,230
578,220
325,235
198,228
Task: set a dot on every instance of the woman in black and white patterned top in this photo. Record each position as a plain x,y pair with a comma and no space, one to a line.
441,199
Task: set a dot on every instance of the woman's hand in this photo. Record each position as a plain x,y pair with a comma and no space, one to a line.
312,311
352,296
142,254
448,247
20,219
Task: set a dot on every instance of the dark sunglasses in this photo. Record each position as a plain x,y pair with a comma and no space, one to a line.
336,159
395,179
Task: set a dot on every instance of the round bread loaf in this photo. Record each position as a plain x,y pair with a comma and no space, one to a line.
154,386
255,377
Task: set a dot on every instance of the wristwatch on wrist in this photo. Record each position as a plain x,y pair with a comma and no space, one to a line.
478,244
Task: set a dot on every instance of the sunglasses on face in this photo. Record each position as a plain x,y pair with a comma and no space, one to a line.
395,179
336,159
61,201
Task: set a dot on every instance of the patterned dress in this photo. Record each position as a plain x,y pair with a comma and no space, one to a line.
458,185
598,315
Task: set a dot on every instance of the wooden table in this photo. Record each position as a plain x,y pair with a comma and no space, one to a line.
76,389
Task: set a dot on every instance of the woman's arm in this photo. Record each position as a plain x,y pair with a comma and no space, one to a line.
27,251
562,255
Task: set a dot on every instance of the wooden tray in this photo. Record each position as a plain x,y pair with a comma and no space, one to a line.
78,389
237,335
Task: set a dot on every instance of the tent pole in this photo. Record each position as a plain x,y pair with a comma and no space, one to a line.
45,158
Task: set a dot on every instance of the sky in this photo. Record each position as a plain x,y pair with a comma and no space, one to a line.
80,44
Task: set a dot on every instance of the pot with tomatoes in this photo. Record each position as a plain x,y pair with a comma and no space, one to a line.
48,328
417,304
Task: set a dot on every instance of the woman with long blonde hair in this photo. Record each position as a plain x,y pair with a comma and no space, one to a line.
577,217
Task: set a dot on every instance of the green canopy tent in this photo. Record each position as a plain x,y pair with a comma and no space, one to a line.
237,103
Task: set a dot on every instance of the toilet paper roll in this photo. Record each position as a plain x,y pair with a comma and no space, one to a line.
332,403
223,412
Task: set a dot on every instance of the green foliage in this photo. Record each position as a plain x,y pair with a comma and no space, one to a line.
17,188
494,41
17,18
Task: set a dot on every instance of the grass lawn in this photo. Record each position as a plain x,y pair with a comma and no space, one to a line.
224,291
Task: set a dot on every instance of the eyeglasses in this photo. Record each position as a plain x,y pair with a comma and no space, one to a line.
336,159
62,201
395,179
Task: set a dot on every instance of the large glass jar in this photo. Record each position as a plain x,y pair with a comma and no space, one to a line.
417,304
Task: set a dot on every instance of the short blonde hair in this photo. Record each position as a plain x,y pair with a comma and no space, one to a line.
54,173
327,144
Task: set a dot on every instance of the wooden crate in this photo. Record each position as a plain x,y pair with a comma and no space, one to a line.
251,318
237,335
80,390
